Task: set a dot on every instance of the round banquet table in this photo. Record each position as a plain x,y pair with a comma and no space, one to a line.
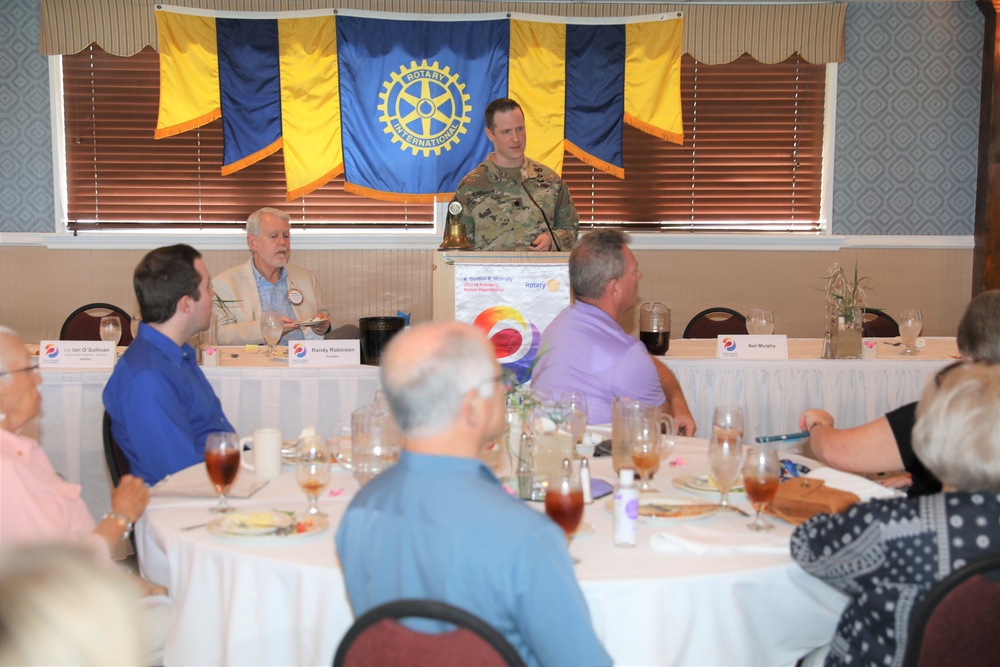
280,601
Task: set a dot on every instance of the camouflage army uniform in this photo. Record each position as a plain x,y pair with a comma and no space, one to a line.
498,215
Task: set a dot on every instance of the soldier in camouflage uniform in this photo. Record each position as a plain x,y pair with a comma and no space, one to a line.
507,200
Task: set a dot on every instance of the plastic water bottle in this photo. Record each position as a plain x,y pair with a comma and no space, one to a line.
626,509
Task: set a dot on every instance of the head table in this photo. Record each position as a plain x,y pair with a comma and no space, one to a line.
257,391
281,601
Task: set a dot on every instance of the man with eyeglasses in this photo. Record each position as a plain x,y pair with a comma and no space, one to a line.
439,526
885,444
269,282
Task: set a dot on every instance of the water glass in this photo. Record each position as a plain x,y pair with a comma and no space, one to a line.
222,462
725,460
564,500
760,321
312,469
271,327
111,328
727,420
576,401
761,475
911,321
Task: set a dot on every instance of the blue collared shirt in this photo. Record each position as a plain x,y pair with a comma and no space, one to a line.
442,528
161,406
275,297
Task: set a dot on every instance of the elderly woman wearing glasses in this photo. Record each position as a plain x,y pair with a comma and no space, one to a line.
887,554
35,503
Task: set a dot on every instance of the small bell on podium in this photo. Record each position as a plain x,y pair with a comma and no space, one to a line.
455,237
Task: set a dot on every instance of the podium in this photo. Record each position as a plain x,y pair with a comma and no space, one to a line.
443,272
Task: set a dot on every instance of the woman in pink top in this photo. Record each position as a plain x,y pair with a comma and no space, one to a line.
35,503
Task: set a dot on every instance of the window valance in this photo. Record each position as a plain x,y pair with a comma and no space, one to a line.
713,34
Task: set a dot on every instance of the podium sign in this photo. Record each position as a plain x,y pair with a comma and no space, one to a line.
512,304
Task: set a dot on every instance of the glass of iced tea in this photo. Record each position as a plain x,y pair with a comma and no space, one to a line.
222,461
312,469
645,451
564,501
761,474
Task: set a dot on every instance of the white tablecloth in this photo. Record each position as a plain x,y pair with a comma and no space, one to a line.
263,394
774,393
279,602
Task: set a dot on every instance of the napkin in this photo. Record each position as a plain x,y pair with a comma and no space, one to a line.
856,484
722,539
193,482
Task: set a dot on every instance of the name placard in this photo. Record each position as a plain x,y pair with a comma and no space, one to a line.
324,353
752,347
67,354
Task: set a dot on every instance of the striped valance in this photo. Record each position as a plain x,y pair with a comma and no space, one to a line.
713,34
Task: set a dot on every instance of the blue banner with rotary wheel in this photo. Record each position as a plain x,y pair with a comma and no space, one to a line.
412,100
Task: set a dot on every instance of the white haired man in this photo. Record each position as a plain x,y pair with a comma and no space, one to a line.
439,526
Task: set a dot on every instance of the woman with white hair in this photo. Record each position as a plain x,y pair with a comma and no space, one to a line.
887,554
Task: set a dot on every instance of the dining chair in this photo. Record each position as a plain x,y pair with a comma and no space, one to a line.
877,323
117,463
378,638
956,622
84,323
713,322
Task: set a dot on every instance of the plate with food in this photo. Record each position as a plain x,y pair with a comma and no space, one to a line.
703,484
666,509
267,525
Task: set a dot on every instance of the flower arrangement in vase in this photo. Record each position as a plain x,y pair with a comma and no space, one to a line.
845,298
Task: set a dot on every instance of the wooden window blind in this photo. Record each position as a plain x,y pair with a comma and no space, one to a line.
752,159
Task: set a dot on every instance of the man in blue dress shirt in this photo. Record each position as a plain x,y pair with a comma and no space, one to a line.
439,526
161,405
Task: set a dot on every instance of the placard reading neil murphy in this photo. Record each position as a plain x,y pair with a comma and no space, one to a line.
324,353
752,347
66,354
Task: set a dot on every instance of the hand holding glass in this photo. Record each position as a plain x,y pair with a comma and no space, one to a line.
761,475
911,321
271,327
222,462
312,469
111,328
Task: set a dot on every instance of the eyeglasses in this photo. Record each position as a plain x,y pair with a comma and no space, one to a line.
32,366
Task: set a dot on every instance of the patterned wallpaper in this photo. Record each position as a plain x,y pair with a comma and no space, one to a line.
25,134
907,120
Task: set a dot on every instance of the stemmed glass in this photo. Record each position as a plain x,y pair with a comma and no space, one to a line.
760,321
761,474
911,321
564,501
312,469
725,458
222,461
727,420
645,451
271,328
111,328
576,401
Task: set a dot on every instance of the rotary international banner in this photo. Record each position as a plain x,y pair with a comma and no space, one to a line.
512,304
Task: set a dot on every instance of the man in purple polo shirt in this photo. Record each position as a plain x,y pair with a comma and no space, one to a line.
585,349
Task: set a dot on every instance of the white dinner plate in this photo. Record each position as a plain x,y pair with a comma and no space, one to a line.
657,509
701,484
296,528
249,524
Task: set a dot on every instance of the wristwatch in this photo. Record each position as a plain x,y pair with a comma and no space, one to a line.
122,520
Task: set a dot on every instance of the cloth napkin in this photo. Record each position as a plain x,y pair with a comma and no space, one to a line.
856,484
193,482
730,537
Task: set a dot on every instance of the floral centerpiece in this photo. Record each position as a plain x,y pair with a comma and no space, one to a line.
845,298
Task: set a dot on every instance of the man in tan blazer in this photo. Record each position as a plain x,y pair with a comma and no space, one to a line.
268,282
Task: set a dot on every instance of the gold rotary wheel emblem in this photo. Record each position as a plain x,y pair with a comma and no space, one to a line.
424,108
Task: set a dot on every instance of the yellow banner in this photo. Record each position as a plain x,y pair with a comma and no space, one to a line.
537,81
310,103
189,73
653,78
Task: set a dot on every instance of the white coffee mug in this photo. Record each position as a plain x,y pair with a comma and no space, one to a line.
266,447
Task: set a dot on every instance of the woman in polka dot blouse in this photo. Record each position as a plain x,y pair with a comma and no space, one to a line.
887,554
